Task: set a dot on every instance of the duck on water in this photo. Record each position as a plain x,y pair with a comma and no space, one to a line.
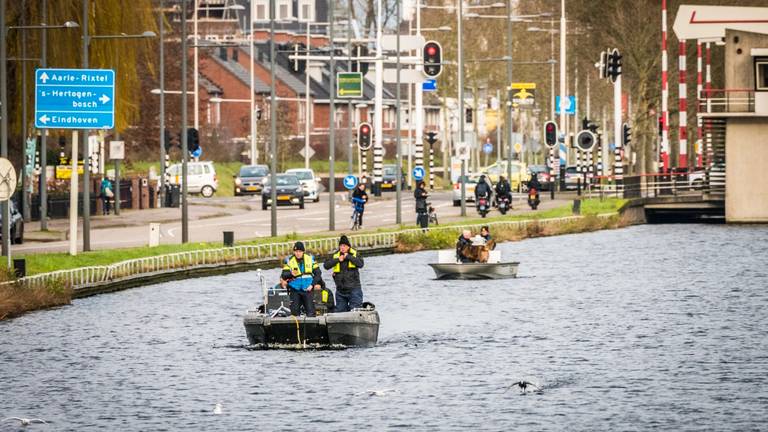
301,310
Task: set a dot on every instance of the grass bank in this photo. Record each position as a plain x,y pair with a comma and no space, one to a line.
48,262
16,299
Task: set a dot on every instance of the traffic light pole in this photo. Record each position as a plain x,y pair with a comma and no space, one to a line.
161,25
331,134
399,165
273,122
460,80
618,166
184,134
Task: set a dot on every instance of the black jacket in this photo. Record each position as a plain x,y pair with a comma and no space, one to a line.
460,244
421,199
533,183
502,188
346,279
482,190
361,194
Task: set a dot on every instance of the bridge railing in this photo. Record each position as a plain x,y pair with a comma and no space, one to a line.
84,277
727,101
705,183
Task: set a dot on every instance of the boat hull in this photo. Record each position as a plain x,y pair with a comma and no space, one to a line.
359,328
475,270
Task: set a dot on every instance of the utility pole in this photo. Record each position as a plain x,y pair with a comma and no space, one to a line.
163,156
272,121
86,149
460,74
378,146
509,92
399,164
43,135
332,129
184,135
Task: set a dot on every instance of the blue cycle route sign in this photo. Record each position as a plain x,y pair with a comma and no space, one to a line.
350,182
75,98
418,173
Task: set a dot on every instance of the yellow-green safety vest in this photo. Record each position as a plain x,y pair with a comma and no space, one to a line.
292,264
337,268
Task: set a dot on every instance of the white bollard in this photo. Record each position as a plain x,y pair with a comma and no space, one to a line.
154,234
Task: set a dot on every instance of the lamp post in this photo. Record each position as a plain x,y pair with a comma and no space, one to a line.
43,27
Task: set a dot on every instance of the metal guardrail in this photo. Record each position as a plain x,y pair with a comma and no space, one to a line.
705,185
85,277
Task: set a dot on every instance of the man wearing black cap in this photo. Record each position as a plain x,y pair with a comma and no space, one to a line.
300,274
345,264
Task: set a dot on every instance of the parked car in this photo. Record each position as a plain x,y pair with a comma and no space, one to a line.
572,176
389,178
309,182
288,191
248,179
519,176
542,174
201,177
471,181
17,224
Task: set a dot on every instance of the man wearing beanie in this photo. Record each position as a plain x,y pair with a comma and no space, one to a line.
345,264
300,274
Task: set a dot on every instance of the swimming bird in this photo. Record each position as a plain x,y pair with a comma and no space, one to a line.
524,386
217,409
24,421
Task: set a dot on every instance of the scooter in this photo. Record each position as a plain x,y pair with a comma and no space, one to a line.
533,198
482,206
503,205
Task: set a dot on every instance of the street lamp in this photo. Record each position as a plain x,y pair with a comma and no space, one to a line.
6,243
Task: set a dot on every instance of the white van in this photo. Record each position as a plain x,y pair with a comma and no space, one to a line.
201,175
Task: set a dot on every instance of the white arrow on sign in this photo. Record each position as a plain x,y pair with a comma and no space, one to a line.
104,98
44,77
44,119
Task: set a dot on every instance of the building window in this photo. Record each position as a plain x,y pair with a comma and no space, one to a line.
306,10
761,74
260,10
284,11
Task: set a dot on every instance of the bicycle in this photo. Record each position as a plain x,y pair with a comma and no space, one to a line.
432,214
357,213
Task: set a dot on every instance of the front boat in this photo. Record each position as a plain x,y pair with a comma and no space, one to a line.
448,268
275,327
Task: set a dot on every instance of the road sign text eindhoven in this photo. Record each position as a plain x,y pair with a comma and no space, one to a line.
75,98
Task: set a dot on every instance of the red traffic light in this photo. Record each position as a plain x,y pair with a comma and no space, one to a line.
432,58
364,129
431,50
550,128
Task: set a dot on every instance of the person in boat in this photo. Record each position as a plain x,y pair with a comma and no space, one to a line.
485,233
300,275
462,246
346,263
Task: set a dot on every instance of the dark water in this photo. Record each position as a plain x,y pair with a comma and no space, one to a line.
651,327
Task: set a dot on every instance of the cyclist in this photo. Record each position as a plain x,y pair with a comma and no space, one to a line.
359,198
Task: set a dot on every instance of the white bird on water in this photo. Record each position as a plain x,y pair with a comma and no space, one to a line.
217,409
24,421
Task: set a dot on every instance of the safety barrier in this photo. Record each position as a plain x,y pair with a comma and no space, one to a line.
85,277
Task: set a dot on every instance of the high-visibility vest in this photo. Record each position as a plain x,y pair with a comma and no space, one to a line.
337,267
292,264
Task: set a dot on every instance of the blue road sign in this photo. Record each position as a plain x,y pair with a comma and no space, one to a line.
570,108
487,148
350,182
418,173
429,85
75,98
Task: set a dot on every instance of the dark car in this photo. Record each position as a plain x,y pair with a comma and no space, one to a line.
542,174
249,180
17,224
389,178
289,191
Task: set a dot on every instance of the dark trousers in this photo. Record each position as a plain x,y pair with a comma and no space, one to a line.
422,220
348,300
105,205
299,299
360,217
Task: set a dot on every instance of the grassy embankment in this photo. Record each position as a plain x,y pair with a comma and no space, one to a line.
16,300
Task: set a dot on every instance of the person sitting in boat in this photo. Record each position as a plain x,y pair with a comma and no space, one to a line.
346,263
485,233
462,246
300,275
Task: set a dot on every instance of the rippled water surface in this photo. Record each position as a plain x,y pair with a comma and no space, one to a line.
650,327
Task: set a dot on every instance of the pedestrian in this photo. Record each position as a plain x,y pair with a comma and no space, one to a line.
300,275
359,198
422,209
106,194
346,263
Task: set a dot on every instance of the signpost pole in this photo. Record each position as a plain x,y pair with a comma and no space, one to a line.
331,134
86,149
73,198
398,153
117,187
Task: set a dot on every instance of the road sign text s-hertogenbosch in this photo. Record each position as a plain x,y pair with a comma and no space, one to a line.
349,84
75,98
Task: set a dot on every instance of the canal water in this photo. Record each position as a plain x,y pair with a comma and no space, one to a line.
648,327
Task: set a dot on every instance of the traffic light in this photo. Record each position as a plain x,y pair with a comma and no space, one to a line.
626,135
431,138
614,65
193,140
433,59
586,140
603,65
468,115
364,136
167,140
550,133
298,65
357,65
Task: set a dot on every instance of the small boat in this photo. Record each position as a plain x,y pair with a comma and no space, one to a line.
271,325
447,267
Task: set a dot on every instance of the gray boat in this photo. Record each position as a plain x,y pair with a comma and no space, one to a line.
448,268
271,325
